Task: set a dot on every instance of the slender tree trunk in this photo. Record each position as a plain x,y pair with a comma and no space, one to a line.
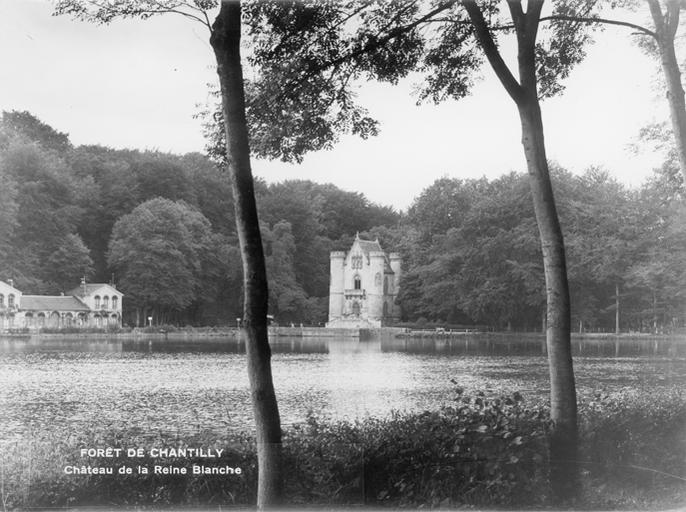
225,40
654,312
675,98
563,408
616,308
666,25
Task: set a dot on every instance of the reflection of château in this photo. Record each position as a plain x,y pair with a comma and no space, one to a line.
88,305
364,286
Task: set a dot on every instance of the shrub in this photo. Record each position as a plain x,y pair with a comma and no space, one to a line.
635,441
480,451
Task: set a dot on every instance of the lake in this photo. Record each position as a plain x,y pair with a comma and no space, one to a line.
156,387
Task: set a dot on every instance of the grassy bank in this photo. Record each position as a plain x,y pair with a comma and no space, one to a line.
478,451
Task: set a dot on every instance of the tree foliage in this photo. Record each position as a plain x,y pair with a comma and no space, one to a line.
159,251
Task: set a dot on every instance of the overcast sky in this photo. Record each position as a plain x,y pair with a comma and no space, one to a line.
138,84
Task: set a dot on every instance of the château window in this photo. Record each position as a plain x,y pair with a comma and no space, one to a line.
105,302
357,283
356,261
114,302
10,300
97,301
2,300
385,285
356,308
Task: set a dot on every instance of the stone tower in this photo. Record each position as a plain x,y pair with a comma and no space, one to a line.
336,283
364,286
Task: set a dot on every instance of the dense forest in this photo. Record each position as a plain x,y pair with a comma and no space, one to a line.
160,227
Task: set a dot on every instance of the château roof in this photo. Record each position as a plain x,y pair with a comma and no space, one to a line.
89,288
52,303
368,246
9,286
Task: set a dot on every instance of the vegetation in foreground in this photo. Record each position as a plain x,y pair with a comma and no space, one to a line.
479,451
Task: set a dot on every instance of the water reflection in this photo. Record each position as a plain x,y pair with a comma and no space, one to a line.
468,345
532,345
157,385
12,345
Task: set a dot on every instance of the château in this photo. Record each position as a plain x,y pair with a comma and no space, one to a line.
364,286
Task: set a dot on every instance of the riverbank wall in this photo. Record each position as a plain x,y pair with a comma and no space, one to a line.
190,334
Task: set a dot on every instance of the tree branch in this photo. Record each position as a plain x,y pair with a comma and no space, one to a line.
605,21
486,41
390,36
656,14
533,19
672,15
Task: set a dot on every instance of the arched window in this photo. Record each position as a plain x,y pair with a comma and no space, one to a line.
356,308
54,319
385,309
115,299
2,300
97,301
105,302
385,285
10,300
357,283
41,319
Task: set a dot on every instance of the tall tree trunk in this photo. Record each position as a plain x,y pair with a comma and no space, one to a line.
563,408
666,25
225,40
654,312
616,308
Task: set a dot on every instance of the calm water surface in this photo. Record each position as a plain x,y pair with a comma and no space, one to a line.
167,387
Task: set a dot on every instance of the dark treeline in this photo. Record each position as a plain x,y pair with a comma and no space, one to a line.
475,255
161,227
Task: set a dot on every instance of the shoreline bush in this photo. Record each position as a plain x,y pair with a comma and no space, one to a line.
478,452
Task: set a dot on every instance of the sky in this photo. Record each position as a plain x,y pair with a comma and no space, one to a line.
139,84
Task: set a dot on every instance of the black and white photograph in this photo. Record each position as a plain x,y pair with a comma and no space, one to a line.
342,255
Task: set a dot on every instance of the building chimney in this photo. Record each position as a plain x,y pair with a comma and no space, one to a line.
11,282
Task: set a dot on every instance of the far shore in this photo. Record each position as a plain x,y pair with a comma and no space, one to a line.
193,333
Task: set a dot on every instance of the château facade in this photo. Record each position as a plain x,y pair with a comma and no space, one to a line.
364,286
89,305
